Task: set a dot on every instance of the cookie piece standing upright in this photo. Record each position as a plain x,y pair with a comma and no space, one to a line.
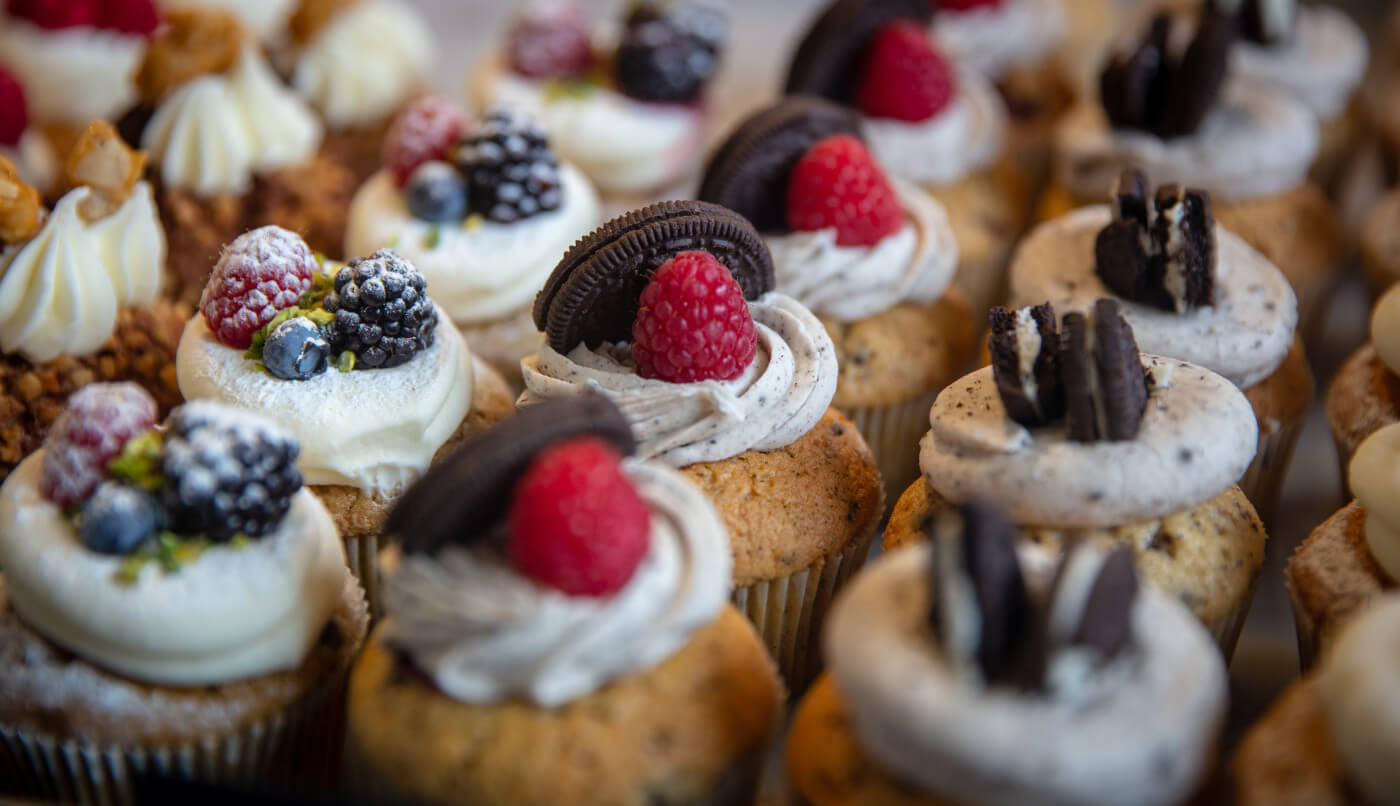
1122,250
1105,386
1025,347
1183,241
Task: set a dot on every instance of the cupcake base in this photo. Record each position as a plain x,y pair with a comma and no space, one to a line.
987,210
1287,758
1363,398
1380,245
1280,403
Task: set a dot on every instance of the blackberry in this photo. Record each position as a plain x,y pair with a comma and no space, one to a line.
668,54
511,172
382,313
227,472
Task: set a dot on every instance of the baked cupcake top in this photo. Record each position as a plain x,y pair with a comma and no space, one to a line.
983,674
993,36
541,562
1189,288
669,311
927,121
483,209
846,241
1315,52
185,555
1371,476
348,358
1165,105
1359,685
1072,427
24,145
65,274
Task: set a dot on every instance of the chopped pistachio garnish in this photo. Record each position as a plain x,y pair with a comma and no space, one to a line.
139,462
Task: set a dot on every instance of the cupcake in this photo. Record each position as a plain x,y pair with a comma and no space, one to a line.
1380,244
1076,434
483,211
1333,737
1190,290
871,257
558,631
174,602
351,360
1364,395
928,121
1353,556
670,312
968,671
79,288
30,152
628,106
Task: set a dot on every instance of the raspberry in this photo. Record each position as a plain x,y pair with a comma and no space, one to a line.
55,14
837,184
262,272
693,323
576,523
90,433
423,132
549,40
14,114
904,76
137,17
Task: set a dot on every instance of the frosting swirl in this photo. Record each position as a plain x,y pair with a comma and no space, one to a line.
61,291
486,634
964,137
72,75
1244,334
230,615
1322,63
1358,686
1196,438
1376,485
922,721
374,429
35,159
1385,328
993,39
265,18
915,264
780,397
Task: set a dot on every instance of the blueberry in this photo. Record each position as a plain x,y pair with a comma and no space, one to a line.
118,519
296,350
437,193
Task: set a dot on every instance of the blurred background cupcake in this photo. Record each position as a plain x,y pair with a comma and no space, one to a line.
1364,394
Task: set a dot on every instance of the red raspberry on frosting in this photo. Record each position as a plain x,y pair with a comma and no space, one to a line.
837,184
424,132
14,114
549,39
576,522
129,16
693,323
56,14
88,435
262,272
904,76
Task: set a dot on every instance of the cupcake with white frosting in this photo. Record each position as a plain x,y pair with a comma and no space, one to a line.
1364,395
266,20
484,210
1073,432
966,670
351,360
557,591
173,599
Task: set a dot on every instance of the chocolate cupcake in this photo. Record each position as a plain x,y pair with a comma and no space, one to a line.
1364,395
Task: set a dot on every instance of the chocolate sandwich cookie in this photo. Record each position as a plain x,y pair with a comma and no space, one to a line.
1105,385
1150,89
1133,84
1161,254
750,171
1263,22
592,296
1195,80
1025,350
1089,609
468,492
829,58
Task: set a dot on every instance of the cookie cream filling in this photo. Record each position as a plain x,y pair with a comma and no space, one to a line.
963,138
1358,683
1256,141
480,271
266,19
1244,334
1385,328
926,724
376,430
1376,485
365,63
915,264
1196,438
486,634
994,39
35,158
1322,63
230,615
72,75
780,397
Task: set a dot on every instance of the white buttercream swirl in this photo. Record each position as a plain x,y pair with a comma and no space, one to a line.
915,264
485,634
373,429
964,137
1374,477
783,393
232,614
35,158
365,63
72,75
266,19
1244,334
61,291
993,39
479,273
1358,683
1322,63
925,724
1196,438
214,133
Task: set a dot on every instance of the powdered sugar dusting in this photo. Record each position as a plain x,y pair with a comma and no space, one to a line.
262,272
92,431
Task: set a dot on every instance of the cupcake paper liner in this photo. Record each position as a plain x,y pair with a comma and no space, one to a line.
893,433
1263,481
1307,635
361,554
1227,630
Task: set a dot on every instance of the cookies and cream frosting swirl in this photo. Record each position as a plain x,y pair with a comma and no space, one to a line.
1374,481
485,634
1359,683
992,39
964,137
783,393
1322,62
72,75
914,264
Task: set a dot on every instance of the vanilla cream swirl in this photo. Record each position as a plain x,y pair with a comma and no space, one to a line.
1374,476
61,291
914,264
232,614
1196,438
1322,63
365,63
993,39
1359,684
782,394
964,137
925,724
1385,328
214,133
486,634
374,429
1244,334
72,75
264,18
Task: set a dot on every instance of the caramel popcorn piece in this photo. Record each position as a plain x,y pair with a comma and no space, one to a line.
313,15
103,161
20,206
194,42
